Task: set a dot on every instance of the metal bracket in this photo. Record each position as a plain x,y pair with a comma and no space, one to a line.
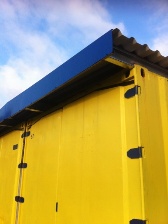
120,62
56,206
137,221
15,147
19,199
131,92
22,165
135,153
25,134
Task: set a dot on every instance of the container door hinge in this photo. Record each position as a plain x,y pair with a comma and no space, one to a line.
135,153
137,221
132,92
25,134
19,199
22,165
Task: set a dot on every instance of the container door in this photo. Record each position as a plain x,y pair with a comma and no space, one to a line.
98,182
10,156
153,113
39,181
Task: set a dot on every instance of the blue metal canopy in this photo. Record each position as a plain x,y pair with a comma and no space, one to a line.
86,58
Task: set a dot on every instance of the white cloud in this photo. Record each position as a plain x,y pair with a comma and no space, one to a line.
159,26
161,43
40,35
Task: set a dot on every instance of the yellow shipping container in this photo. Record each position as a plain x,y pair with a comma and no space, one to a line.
88,143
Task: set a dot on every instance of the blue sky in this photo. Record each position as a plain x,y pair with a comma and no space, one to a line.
36,36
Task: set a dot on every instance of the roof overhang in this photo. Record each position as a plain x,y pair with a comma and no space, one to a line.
78,76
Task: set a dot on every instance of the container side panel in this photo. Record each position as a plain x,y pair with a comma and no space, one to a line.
94,183
39,181
153,112
10,155
91,161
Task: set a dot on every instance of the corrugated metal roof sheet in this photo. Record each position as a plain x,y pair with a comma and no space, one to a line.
143,51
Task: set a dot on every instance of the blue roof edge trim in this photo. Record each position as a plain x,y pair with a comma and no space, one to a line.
89,56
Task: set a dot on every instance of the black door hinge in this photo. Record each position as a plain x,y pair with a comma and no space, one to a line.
131,92
135,153
19,199
22,165
137,221
25,134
